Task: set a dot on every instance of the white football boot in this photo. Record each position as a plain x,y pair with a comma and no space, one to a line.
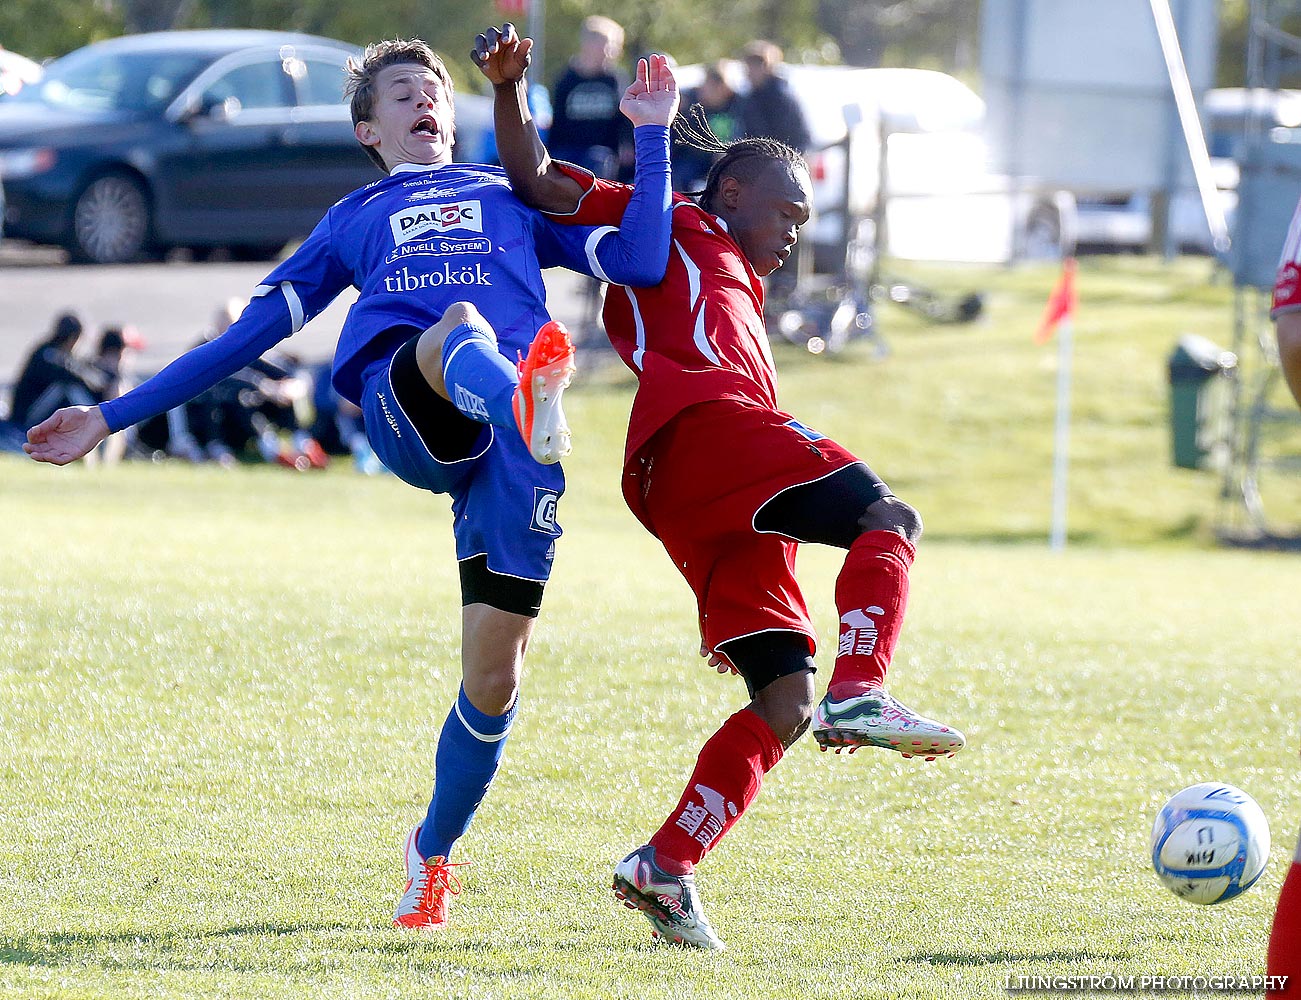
874,719
669,902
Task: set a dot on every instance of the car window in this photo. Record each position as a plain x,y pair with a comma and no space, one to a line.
107,82
253,85
319,81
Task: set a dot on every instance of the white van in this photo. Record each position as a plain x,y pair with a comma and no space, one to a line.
942,202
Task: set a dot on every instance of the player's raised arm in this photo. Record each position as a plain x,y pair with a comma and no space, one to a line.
652,98
637,252
503,57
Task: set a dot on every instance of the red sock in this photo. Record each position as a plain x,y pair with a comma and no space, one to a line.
871,595
726,780
1284,956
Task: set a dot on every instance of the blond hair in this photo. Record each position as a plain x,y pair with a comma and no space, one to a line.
360,84
599,26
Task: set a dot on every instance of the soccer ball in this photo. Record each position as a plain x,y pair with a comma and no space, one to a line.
1210,843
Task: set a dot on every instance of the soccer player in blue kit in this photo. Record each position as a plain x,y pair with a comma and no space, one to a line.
448,266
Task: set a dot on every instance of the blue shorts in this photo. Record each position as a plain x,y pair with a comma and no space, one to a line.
503,501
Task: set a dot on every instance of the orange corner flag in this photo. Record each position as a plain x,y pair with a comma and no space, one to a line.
1061,303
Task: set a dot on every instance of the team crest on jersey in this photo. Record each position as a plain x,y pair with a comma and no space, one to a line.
420,221
428,194
807,432
545,503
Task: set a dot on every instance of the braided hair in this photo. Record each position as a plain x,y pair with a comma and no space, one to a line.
741,158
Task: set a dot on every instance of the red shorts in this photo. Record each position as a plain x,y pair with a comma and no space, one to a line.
697,485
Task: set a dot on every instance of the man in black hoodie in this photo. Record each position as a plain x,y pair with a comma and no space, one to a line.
770,108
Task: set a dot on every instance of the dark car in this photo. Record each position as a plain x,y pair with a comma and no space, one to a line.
199,139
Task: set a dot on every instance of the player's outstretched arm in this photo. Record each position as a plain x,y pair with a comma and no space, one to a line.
66,435
503,57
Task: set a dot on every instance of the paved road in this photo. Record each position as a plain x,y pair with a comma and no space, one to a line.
169,303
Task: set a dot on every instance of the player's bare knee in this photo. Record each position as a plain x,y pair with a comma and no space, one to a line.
787,706
787,726
794,732
461,314
493,691
892,514
429,346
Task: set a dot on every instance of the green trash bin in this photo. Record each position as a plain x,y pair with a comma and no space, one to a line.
1194,365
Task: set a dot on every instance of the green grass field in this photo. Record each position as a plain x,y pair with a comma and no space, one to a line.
219,694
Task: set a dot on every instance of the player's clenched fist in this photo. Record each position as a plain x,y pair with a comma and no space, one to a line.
501,55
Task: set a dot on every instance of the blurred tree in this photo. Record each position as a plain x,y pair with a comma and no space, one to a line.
933,34
939,33
1231,59
1235,27
675,27
448,27
155,15
43,29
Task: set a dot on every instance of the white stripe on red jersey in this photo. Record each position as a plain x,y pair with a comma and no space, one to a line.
699,334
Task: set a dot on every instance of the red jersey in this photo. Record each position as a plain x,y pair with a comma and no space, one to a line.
699,334
1287,286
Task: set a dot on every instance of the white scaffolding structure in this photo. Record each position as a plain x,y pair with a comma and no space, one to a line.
1261,485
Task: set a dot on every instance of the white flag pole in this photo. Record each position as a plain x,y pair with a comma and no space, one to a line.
1194,138
1061,434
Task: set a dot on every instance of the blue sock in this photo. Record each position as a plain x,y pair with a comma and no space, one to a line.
479,379
469,749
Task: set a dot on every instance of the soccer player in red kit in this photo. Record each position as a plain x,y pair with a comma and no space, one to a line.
1283,958
731,485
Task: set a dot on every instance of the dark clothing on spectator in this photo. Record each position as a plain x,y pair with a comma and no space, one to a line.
772,110
586,126
228,418
51,379
690,165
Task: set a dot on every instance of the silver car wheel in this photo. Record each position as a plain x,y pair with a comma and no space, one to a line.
110,223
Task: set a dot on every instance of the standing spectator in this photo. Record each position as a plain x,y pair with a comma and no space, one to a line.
52,377
770,108
587,129
586,126
722,110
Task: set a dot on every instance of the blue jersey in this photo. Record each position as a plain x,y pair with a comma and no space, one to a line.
413,243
